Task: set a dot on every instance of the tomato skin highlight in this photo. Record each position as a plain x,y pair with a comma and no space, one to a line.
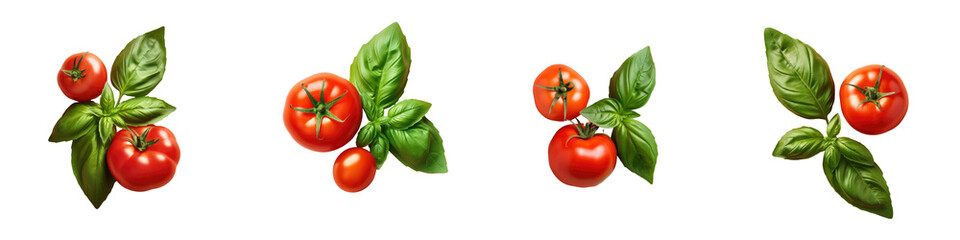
577,98
866,118
333,134
354,169
581,162
144,170
89,86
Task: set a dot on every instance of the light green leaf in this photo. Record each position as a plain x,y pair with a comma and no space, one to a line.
140,66
141,111
380,70
605,113
799,76
78,120
633,82
418,147
799,143
406,113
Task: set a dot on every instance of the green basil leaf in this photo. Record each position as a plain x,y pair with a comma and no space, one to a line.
833,126
831,158
380,69
406,113
629,114
88,157
636,148
106,99
141,111
368,133
855,151
140,66
799,143
860,185
605,113
418,147
633,82
106,130
79,119
800,77
379,148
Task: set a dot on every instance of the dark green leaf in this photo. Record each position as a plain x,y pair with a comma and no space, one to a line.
380,69
605,113
106,130
79,119
636,148
379,148
368,133
406,113
633,83
799,143
140,111
800,78
855,151
140,66
107,99
418,147
88,157
833,126
860,185
831,157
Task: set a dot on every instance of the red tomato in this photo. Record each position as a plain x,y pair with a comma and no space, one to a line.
873,101
323,112
82,77
145,159
560,93
580,158
354,169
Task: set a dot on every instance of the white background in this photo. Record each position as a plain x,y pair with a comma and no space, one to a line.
713,113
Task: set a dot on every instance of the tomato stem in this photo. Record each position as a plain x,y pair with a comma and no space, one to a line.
584,131
139,139
561,89
320,108
76,73
872,94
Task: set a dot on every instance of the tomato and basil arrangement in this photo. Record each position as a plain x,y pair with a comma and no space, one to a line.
873,101
578,155
142,156
324,111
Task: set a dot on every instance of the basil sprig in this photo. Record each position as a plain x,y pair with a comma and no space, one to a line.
91,126
630,89
802,82
380,73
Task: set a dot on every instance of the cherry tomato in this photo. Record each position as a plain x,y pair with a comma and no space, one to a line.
323,112
354,169
579,157
560,93
145,159
873,101
82,77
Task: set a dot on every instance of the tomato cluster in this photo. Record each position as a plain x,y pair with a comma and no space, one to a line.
323,113
578,156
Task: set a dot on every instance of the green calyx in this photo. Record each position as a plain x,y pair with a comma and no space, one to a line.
562,88
584,130
76,73
873,94
320,108
139,140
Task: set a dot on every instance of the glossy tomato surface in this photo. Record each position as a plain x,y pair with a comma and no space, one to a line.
865,116
354,169
547,87
82,77
581,162
331,134
142,170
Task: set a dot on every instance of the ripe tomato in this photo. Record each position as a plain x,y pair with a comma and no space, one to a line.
145,159
560,93
873,101
323,112
579,157
82,77
354,169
